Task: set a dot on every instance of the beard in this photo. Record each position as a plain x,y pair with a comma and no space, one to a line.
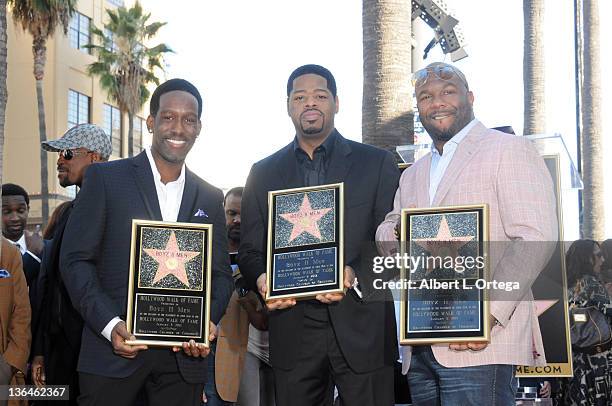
312,130
233,233
463,115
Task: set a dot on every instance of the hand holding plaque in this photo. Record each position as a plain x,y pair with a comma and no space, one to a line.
119,340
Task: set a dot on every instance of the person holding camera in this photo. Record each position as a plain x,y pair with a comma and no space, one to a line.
225,364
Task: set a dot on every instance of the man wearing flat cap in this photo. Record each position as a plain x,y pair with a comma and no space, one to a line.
95,258
57,326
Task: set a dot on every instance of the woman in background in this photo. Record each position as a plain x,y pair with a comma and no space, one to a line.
592,381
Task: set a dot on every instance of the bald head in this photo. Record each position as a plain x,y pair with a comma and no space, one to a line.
439,70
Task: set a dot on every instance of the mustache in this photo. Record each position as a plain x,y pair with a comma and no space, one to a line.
62,167
441,113
311,110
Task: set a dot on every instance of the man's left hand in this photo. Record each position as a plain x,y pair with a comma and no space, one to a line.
472,346
349,279
194,349
34,243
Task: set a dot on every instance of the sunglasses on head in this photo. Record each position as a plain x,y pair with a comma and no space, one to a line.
68,154
442,72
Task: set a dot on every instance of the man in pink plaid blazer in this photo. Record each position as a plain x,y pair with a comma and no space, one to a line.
470,164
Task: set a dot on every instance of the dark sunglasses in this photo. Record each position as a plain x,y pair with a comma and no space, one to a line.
68,154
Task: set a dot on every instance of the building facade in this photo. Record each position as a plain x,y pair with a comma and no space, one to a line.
71,97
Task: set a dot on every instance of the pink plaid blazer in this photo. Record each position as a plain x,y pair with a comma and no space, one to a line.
507,173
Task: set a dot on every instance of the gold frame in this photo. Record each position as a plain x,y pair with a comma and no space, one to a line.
207,274
567,369
269,246
403,291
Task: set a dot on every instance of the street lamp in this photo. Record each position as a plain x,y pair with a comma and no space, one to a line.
446,33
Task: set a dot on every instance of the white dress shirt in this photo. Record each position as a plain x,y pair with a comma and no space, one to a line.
23,247
169,196
439,163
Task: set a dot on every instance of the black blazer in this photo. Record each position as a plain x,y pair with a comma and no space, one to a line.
53,313
95,254
365,329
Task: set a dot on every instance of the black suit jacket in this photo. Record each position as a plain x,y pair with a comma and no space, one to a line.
31,268
53,313
95,254
365,329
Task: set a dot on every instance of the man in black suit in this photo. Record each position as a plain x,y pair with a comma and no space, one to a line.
57,326
15,211
94,259
343,340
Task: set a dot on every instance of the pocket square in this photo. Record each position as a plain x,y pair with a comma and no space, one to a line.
4,274
200,213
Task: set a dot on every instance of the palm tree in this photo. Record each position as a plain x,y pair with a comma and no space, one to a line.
533,68
592,143
125,63
40,18
387,117
3,91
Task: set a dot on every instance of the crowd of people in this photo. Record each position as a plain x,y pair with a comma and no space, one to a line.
63,295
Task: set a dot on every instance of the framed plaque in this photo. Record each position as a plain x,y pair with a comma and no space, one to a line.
550,298
445,270
169,283
305,242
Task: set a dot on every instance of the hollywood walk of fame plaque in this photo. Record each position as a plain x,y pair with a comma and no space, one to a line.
169,280
444,299
305,242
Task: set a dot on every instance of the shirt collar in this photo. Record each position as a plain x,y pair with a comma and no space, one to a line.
157,175
23,246
327,145
457,138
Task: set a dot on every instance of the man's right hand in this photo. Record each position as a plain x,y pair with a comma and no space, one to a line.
38,371
275,304
118,337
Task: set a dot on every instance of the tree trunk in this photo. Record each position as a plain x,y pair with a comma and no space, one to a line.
39,50
130,133
593,226
3,90
387,117
533,68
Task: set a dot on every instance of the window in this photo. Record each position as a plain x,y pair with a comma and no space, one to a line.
112,46
116,3
78,108
112,126
79,32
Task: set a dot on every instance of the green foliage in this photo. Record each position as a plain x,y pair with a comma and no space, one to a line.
41,17
125,63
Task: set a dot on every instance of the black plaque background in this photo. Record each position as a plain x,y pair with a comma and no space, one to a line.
306,290
136,252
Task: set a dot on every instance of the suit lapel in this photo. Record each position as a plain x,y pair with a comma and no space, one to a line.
287,168
188,201
146,185
466,150
339,165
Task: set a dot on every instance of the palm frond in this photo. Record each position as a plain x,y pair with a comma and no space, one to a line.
126,68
